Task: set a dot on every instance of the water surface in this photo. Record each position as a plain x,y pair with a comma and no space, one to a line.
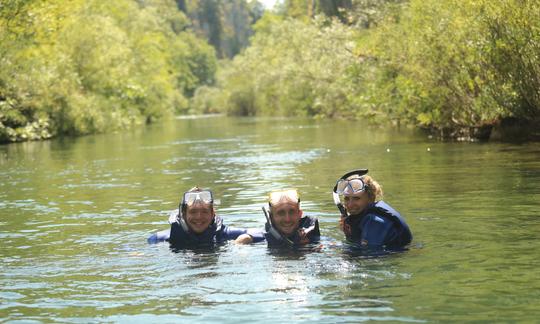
75,215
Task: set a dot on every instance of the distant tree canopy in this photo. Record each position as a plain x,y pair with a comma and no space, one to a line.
451,66
305,71
226,24
85,66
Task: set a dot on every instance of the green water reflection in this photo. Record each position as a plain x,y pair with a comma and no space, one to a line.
75,214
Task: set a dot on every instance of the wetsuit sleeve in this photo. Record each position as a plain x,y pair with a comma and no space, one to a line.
160,236
256,234
231,233
375,230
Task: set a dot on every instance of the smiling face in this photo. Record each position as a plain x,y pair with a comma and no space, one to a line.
356,203
199,216
286,217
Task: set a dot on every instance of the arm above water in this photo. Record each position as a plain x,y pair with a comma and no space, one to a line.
243,235
161,236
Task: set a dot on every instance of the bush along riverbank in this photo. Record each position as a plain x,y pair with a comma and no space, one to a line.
503,130
459,69
82,67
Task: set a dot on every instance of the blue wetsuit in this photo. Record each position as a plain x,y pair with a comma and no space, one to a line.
378,225
309,225
216,233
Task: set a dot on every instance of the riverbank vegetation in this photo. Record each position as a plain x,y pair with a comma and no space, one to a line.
80,67
457,68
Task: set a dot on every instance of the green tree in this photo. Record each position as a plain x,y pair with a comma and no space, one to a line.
457,66
92,66
293,69
226,24
511,47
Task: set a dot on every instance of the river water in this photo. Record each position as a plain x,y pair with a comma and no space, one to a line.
75,215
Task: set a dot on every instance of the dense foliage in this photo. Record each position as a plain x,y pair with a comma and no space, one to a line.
451,66
226,24
305,71
78,67
457,67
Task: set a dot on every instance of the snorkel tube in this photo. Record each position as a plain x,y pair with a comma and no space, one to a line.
182,221
335,195
176,217
274,232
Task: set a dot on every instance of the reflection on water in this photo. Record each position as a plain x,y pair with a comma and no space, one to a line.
75,215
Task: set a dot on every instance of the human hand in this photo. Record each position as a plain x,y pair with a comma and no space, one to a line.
304,239
345,228
244,239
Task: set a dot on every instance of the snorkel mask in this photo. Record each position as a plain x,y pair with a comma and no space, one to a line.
348,187
274,198
190,198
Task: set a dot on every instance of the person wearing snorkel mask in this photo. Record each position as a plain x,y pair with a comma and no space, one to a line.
195,223
366,219
286,225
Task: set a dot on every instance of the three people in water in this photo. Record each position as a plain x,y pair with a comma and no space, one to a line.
366,220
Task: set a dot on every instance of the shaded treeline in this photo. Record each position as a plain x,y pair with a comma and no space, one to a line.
455,67
226,24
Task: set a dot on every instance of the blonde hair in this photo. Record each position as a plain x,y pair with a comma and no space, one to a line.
373,188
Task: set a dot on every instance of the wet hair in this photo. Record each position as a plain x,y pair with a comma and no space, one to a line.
373,188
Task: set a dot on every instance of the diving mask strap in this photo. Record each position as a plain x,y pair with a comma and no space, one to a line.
359,172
